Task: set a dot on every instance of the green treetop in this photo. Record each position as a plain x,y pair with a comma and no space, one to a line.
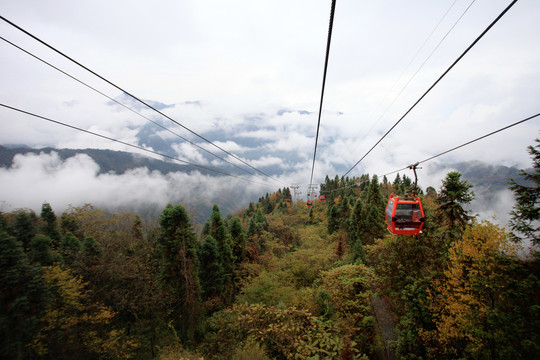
526,211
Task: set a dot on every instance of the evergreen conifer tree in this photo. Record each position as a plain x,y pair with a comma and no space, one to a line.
344,209
69,248
397,186
359,253
386,188
40,250
333,219
22,299
220,234
407,182
206,229
374,210
280,208
374,228
257,225
375,197
260,219
250,210
238,239
269,207
215,220
288,196
526,211
357,221
252,227
357,231
211,272
453,194
91,249
50,227
24,229
180,267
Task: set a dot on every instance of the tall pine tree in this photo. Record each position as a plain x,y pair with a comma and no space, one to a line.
375,197
526,211
50,226
333,219
374,211
211,272
179,268
453,195
238,239
357,231
219,232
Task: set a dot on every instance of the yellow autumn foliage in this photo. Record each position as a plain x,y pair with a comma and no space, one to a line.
72,324
462,299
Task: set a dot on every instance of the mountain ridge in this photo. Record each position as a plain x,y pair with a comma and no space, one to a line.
479,173
489,181
117,162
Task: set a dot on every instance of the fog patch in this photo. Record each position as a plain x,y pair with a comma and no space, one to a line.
34,179
494,207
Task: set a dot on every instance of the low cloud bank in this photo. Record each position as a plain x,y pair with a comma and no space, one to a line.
35,179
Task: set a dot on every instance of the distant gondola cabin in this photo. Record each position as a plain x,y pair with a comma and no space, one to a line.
404,216
322,198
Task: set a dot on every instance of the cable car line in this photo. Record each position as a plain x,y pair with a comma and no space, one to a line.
125,106
131,145
421,65
415,165
133,96
468,143
330,26
436,82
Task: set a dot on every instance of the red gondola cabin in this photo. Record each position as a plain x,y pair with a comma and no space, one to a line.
404,216
309,203
322,198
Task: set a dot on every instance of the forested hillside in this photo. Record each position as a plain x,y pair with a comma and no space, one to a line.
277,280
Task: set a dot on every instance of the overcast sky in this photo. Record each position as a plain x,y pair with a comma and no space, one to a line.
248,74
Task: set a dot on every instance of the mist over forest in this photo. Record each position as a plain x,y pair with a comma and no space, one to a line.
121,181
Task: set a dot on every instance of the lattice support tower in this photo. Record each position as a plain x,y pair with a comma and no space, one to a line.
296,192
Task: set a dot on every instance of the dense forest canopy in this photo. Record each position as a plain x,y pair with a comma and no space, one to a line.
277,280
